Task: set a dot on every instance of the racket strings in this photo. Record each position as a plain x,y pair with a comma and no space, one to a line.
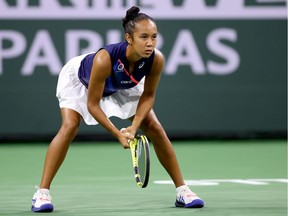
141,155
140,151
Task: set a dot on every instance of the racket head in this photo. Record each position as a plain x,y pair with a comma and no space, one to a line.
140,151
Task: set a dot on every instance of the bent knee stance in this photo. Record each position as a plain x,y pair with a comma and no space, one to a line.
154,129
70,128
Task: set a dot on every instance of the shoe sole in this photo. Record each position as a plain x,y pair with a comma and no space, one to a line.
43,208
198,203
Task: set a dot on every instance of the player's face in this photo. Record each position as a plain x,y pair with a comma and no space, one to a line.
144,38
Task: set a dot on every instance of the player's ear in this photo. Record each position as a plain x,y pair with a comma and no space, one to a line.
128,38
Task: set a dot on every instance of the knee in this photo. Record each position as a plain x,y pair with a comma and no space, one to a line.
154,128
70,127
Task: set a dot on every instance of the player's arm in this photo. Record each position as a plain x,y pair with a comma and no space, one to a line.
101,70
147,99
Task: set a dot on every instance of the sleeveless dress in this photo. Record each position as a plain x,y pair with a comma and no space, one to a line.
121,92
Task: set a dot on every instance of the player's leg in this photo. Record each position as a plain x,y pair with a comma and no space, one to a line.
163,147
59,146
166,155
41,201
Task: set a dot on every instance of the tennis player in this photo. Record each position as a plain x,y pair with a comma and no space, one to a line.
118,80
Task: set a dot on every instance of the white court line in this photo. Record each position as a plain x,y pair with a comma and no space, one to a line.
213,182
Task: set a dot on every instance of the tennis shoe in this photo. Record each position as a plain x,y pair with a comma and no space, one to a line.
41,201
187,199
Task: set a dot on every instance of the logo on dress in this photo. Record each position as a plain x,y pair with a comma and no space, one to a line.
126,81
141,65
120,67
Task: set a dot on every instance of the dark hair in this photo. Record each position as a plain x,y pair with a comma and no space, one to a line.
133,16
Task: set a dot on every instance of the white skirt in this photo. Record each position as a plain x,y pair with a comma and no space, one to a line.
72,94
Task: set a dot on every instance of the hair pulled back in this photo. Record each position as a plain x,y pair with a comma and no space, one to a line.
133,16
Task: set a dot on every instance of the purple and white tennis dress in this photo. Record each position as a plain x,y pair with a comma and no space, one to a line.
121,92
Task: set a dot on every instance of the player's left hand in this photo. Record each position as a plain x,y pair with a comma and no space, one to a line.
125,138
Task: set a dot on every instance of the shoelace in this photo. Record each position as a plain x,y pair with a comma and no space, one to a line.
186,193
43,195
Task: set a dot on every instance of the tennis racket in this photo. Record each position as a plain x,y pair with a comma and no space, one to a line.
140,152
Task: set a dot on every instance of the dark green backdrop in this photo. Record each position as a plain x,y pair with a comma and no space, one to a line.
247,99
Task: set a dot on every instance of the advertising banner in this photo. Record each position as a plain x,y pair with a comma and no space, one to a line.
225,71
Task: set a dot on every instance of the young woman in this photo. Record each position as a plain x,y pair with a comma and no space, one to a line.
119,80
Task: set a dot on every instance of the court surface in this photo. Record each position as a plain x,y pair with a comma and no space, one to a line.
236,178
